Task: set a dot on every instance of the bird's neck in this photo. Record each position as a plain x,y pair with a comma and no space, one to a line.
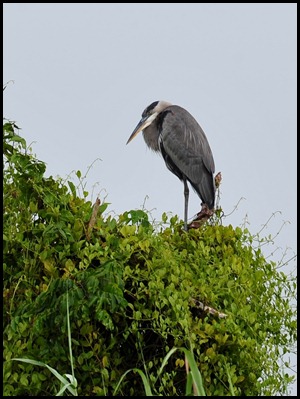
151,137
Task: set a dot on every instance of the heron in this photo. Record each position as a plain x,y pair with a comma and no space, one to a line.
174,133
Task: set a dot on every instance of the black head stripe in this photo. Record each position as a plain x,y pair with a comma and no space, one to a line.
150,107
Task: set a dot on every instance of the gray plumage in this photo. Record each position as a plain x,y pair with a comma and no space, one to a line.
175,133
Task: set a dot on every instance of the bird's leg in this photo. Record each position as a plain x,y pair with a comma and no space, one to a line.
186,202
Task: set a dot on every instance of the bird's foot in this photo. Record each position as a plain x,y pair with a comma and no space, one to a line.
201,217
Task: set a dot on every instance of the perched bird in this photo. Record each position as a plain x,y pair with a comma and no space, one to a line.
175,133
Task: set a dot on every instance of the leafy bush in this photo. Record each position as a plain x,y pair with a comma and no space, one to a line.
134,293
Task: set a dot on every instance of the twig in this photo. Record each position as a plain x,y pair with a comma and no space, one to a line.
93,218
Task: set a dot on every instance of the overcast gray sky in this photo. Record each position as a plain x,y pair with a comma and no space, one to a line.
83,74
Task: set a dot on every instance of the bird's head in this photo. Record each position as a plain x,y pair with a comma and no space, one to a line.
148,116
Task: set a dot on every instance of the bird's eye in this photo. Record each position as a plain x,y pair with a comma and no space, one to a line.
149,110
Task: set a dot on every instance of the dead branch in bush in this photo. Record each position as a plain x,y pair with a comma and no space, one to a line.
208,309
93,218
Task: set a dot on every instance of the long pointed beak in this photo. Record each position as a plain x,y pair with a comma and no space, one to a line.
143,123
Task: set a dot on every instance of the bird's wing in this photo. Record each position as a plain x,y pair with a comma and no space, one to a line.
186,144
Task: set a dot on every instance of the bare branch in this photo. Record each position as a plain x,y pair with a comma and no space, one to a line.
208,309
93,218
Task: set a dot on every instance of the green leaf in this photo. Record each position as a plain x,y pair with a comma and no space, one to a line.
73,188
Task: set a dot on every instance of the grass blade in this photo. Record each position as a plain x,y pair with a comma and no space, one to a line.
62,379
144,378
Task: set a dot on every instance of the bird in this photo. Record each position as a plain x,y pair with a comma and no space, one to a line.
174,133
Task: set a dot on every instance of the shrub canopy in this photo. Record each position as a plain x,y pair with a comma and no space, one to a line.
134,292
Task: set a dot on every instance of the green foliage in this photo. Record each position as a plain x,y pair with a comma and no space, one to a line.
194,379
64,379
133,293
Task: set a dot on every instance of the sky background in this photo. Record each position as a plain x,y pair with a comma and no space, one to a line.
84,73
